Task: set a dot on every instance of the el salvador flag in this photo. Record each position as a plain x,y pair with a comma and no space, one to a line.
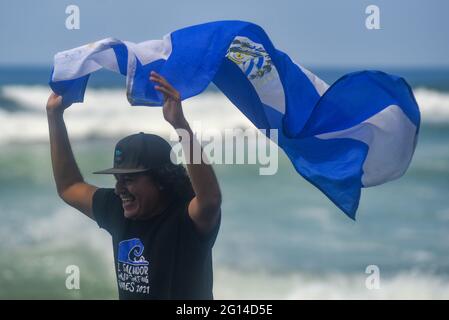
359,132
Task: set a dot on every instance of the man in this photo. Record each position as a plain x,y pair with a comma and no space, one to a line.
163,224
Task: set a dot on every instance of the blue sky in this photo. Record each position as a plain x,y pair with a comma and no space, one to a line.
414,33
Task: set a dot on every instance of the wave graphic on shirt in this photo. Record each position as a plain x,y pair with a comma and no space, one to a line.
131,251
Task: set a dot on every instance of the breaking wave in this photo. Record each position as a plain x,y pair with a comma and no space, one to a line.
106,113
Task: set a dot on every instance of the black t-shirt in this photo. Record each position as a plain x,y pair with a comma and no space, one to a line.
163,257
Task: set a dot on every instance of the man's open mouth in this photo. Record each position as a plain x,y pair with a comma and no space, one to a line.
128,201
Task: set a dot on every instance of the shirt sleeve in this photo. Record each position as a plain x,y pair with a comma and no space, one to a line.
106,207
203,240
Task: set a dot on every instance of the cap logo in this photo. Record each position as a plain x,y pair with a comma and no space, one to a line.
118,156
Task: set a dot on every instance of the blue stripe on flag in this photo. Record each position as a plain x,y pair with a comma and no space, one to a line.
121,53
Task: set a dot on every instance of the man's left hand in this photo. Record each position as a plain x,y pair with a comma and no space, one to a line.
172,109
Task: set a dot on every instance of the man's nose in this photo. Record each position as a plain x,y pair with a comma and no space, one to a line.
118,187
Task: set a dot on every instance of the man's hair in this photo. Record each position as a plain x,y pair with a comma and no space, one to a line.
173,181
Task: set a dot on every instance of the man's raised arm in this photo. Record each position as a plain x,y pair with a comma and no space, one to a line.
69,181
204,209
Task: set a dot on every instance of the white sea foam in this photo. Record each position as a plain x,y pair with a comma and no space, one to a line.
262,285
434,105
106,112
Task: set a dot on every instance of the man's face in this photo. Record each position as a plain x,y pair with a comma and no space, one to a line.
140,195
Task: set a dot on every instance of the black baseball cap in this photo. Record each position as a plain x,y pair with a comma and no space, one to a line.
139,153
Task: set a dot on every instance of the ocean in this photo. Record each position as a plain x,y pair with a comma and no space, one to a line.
280,237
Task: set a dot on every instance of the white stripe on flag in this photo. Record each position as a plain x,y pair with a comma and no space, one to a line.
391,138
80,61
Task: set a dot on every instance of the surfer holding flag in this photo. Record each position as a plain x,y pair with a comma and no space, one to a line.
359,132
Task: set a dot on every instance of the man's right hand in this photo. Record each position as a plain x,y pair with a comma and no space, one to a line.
55,103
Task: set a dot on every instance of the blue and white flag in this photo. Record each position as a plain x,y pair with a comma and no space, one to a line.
359,132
